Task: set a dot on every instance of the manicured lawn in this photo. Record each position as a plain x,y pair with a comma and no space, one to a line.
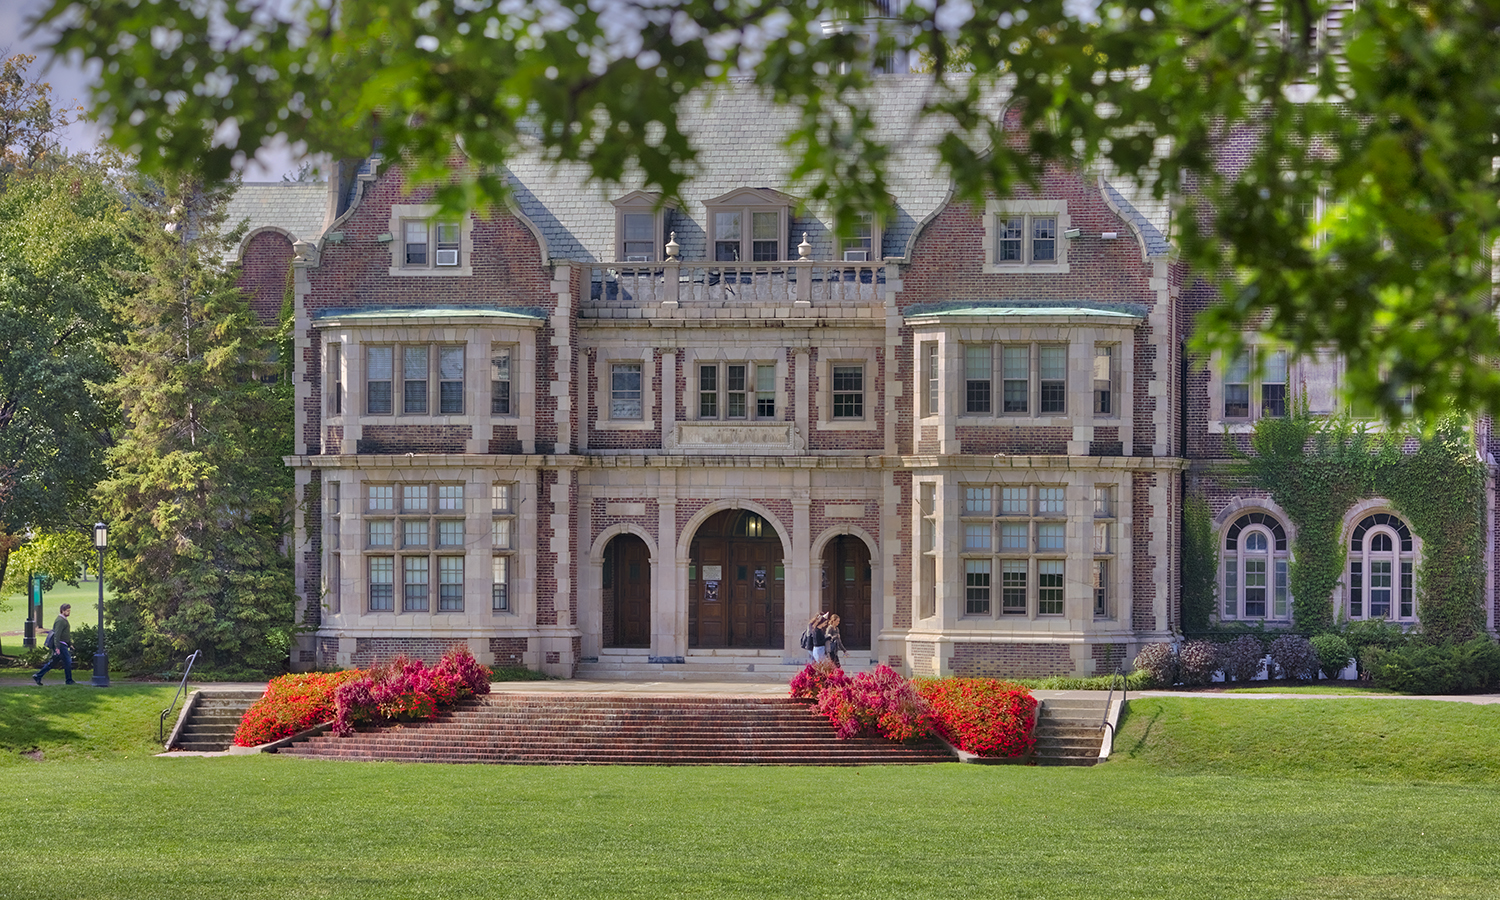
1251,823
76,723
1315,690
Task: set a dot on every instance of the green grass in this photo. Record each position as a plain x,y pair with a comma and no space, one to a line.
1252,821
79,723
1316,690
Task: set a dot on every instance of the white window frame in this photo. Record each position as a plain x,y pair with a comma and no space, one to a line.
439,241
871,390
721,392
746,202
406,508
864,245
435,378
1029,211
987,510
1106,549
503,503
642,203
1259,538
999,355
1365,528
605,359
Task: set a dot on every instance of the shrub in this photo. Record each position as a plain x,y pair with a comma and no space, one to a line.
1197,662
1437,669
879,703
1293,656
1333,653
407,689
809,683
1242,658
981,715
1376,633
291,703
1159,664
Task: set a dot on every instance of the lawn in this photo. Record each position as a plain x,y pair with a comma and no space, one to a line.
1154,822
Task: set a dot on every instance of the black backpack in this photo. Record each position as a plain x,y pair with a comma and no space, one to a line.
807,639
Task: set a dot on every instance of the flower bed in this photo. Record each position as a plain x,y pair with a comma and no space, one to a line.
291,703
982,716
407,689
978,715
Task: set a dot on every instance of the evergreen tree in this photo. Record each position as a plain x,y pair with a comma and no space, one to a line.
197,493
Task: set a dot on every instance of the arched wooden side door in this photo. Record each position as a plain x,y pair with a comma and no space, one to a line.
846,588
628,573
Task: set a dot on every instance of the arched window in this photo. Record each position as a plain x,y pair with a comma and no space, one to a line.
1382,582
1255,574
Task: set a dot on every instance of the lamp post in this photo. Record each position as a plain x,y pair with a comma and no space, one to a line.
101,658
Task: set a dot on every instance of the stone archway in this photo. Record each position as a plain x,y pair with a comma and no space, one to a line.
626,594
846,588
736,583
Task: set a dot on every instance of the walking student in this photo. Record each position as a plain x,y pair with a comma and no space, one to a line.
818,629
835,642
61,642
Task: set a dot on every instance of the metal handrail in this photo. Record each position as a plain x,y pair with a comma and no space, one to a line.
161,731
1108,701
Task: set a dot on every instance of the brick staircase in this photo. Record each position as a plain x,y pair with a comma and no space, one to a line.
615,730
1068,732
212,720
730,665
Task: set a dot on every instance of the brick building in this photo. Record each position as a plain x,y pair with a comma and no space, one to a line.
589,427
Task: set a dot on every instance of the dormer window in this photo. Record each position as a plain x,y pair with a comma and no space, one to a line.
640,227
422,244
749,225
863,242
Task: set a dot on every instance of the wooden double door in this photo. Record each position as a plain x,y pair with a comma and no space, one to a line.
846,589
736,584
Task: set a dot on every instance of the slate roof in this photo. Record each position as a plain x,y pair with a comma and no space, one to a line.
297,209
739,133
1156,242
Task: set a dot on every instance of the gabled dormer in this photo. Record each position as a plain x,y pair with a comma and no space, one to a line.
641,226
749,225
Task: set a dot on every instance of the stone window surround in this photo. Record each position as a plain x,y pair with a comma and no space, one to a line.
749,355
404,212
994,209
828,357
1317,376
605,359
643,203
1351,519
746,201
356,616
1238,554
477,340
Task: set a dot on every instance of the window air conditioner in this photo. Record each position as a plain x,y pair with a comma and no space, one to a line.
856,256
447,257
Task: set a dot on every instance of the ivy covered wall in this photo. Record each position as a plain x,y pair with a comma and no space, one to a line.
1316,469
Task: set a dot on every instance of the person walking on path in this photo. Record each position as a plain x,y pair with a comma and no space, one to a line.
818,627
835,642
61,641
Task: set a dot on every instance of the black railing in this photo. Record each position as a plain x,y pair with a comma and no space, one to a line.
1108,701
161,731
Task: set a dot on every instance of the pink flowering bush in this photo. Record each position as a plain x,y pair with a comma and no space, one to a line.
809,683
983,716
875,703
408,689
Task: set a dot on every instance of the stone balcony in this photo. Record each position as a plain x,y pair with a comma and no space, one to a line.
681,290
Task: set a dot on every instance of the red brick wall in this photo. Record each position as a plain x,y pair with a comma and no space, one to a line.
1049,441
1108,658
380,651
415,438
1010,660
505,439
264,264
872,440
601,520
1106,441
1143,562
546,558
335,443
508,651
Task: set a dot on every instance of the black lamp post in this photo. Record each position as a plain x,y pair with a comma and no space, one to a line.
101,658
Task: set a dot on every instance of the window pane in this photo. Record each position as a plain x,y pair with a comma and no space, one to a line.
500,534
848,392
727,237
451,583
1050,501
1231,588
1237,388
1013,537
977,537
1013,587
500,497
382,496
765,392
447,235
1101,587
1101,536
500,382
414,377
1053,369
1273,385
378,363
414,498
382,532
451,363
764,226
1279,608
414,534
1017,370
414,584
1408,606
1356,591
1011,230
708,392
638,239
977,501
1050,536
625,398
977,587
1255,588
1044,239
1104,501
734,386
1049,587
382,583
451,533
450,497
1104,379
500,584
1015,501
416,243
977,374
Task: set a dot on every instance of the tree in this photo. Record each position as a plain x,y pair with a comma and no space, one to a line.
30,119
63,241
1333,165
196,494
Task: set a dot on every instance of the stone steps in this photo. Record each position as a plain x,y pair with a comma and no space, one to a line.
1068,732
213,719
726,665
606,730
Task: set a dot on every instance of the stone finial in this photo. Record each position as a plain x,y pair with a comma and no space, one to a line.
672,246
804,249
302,250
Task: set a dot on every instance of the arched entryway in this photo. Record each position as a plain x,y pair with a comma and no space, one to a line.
846,588
736,583
627,592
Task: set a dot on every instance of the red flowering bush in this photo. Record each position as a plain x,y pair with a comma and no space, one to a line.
880,703
981,715
809,683
407,689
291,703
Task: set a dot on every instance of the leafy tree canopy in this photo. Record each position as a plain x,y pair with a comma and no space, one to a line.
1355,207
30,119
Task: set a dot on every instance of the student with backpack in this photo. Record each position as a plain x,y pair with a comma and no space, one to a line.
60,642
815,638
